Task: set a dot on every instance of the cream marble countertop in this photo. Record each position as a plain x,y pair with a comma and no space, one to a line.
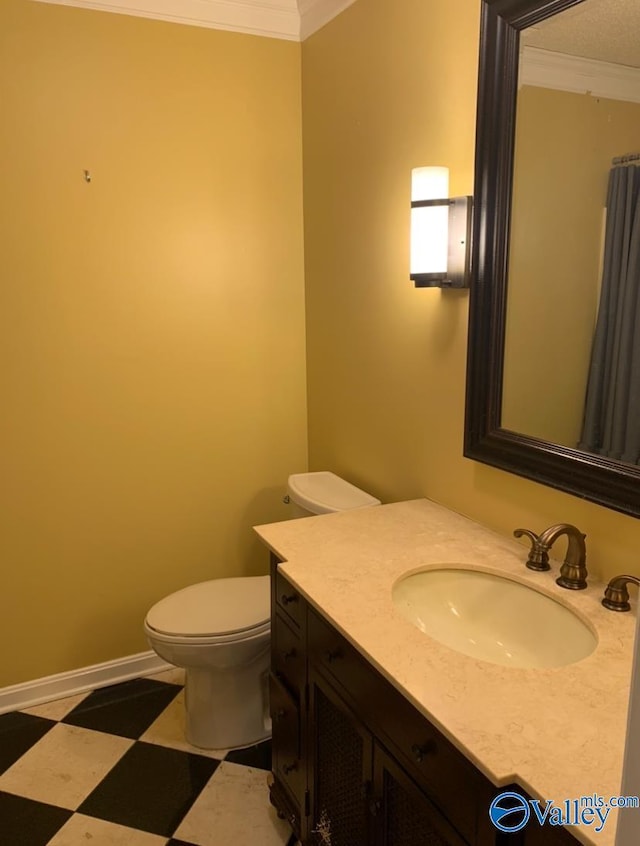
557,732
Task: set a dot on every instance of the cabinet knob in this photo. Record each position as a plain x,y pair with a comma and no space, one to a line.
280,714
289,654
332,655
289,768
375,806
420,752
288,599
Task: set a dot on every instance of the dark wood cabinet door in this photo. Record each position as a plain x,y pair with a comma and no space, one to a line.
548,835
341,768
406,816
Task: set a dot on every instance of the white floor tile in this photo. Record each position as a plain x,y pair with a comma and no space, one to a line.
169,730
173,676
64,766
80,829
58,708
234,808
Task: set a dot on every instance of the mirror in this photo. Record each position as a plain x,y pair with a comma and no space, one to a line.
537,257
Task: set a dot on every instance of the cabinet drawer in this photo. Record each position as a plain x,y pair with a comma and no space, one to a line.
285,718
288,599
288,660
341,662
437,766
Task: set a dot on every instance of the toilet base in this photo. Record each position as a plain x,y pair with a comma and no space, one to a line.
228,709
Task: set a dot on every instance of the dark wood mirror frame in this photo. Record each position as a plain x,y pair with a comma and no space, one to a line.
592,477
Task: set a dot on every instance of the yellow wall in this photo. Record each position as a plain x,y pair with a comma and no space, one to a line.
564,146
151,322
387,87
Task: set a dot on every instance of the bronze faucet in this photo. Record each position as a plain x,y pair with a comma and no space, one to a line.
616,595
573,573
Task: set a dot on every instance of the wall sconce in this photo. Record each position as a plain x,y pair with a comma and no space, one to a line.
440,231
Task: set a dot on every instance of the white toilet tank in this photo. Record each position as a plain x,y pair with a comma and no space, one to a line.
323,492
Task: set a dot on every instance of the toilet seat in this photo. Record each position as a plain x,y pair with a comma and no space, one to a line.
220,610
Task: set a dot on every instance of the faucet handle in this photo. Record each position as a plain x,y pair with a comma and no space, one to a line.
616,595
538,555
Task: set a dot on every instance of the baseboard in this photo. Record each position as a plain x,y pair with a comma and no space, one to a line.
36,692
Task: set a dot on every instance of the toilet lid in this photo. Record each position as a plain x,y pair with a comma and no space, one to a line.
322,492
217,607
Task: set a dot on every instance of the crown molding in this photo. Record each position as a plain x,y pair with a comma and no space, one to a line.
271,18
291,20
547,69
314,14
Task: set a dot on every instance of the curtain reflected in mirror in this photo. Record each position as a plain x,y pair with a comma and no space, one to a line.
611,425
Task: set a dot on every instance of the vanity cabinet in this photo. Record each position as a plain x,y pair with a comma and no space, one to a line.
360,792
354,763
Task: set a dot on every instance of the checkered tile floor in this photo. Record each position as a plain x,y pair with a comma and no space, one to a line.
112,768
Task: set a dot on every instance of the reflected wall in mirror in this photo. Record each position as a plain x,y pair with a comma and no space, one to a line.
558,100
578,109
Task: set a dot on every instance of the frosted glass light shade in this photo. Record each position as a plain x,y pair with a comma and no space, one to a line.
429,183
429,224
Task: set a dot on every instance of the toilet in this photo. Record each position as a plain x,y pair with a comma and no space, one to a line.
219,631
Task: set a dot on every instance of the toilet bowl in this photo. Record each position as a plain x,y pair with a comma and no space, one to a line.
219,632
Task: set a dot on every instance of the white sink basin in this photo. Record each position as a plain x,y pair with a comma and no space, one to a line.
493,618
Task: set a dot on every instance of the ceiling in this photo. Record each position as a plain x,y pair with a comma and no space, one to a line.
292,20
603,30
